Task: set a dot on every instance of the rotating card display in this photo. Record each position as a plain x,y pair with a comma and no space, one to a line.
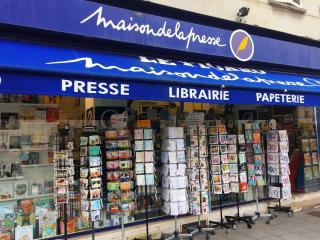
174,179
242,163
278,164
144,166
255,154
119,166
197,158
223,165
90,177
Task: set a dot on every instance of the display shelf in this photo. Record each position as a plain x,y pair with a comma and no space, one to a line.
12,105
32,149
11,178
37,165
27,197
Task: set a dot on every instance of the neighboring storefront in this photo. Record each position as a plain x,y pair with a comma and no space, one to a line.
51,94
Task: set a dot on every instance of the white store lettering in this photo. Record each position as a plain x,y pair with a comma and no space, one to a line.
145,29
202,94
90,87
279,98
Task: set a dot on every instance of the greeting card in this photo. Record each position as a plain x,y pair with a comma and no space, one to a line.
215,159
226,188
216,179
225,168
215,169
232,148
214,139
232,139
232,158
242,158
214,149
241,139
225,178
257,149
256,138
213,130
260,181
224,158
272,136
223,139
223,149
217,189
234,177
283,135
222,129
233,168
273,170
252,180
284,158
235,188
284,146
286,193
274,192
272,147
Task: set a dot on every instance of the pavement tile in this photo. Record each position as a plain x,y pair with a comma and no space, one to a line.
299,227
291,236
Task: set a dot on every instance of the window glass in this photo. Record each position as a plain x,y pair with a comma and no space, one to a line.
108,160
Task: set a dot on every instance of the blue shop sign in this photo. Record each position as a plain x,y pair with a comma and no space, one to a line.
14,83
59,60
92,19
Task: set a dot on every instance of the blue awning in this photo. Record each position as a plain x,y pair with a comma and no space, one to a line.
163,79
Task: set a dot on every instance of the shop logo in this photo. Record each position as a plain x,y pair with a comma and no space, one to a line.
241,45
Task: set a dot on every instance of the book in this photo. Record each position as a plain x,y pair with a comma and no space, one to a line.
21,188
47,224
6,191
24,232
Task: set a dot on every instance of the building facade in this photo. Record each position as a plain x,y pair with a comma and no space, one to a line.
118,117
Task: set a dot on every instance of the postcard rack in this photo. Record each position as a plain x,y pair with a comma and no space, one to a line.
90,176
64,177
278,170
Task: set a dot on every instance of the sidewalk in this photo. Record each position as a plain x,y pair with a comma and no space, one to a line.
302,226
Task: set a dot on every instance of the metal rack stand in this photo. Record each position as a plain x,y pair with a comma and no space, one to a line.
257,214
237,218
278,209
222,223
176,234
205,230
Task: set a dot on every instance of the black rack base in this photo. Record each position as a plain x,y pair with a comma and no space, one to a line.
222,224
279,209
237,219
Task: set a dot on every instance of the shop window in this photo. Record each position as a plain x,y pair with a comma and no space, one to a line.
51,150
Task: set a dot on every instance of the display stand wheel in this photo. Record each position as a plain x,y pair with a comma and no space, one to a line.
290,213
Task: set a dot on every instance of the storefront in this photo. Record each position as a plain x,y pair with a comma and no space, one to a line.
149,113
